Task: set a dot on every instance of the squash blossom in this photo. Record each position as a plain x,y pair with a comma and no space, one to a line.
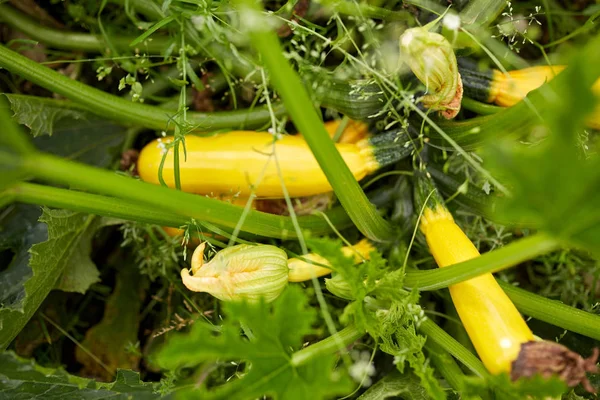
431,58
237,273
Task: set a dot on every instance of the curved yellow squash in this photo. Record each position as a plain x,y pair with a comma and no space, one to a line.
493,323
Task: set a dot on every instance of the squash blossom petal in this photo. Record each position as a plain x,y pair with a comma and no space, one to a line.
237,273
431,58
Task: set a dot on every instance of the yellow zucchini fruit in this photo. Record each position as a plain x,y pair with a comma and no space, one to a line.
499,334
354,131
493,323
241,162
507,90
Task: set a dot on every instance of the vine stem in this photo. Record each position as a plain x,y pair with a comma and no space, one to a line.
73,40
123,110
49,196
57,170
300,107
554,312
452,346
327,346
494,261
445,365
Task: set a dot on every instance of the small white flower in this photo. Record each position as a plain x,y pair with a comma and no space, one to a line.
362,370
198,21
451,21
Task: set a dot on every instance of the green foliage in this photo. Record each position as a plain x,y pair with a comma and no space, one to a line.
554,186
41,115
273,332
110,338
23,379
396,385
66,249
389,314
553,183
503,388
60,242
156,253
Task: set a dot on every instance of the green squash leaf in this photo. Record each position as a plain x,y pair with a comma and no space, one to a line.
39,273
554,184
396,385
110,338
277,330
23,379
41,115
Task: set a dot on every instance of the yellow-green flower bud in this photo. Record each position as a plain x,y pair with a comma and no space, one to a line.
431,58
241,272
339,287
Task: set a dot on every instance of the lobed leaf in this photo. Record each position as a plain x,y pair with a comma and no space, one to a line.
273,332
23,379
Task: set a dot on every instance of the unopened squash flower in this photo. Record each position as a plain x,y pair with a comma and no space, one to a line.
339,287
431,58
237,273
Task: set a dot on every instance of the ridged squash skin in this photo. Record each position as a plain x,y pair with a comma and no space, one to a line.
493,323
234,163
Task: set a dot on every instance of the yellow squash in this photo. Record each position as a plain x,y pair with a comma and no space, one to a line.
508,89
354,131
493,323
240,162
501,337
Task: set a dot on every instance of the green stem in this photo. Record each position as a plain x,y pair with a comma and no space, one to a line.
300,107
457,350
554,312
327,346
479,107
74,41
122,110
93,204
494,261
60,171
445,365
482,12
